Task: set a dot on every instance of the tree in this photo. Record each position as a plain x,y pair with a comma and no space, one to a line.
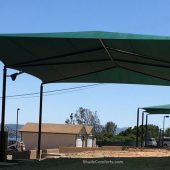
153,131
110,127
86,117
167,132
126,132
70,120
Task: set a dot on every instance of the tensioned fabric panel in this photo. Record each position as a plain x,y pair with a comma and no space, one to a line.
101,57
162,109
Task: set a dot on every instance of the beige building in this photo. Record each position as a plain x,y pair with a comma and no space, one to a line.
57,135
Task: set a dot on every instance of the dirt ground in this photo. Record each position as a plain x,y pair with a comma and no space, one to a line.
127,159
124,153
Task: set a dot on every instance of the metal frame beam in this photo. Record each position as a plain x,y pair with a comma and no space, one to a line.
63,63
138,55
54,57
92,61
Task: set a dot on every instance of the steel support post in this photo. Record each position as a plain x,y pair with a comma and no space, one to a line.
137,128
40,122
146,130
3,155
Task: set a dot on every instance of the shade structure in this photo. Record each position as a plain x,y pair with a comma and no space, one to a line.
162,109
86,57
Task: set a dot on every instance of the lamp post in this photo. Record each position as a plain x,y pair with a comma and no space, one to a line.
142,129
146,130
163,129
2,136
17,125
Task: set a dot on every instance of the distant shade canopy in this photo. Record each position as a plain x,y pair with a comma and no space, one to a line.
162,109
89,57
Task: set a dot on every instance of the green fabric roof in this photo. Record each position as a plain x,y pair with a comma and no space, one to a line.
162,109
86,57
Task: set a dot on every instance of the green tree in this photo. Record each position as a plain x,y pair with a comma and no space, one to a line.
110,127
153,131
126,132
167,132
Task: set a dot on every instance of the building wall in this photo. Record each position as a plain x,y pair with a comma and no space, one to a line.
48,141
90,141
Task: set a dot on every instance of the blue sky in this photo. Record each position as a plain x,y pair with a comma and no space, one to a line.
112,101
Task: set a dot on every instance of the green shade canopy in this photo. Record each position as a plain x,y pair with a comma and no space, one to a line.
162,109
86,57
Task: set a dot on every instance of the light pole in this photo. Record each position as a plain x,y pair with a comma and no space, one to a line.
17,125
146,130
2,136
163,129
142,128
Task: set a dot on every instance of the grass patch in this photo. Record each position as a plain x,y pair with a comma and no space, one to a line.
93,164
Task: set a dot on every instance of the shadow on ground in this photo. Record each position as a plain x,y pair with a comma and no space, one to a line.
162,163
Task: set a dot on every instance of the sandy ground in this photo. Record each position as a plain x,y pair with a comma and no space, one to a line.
125,153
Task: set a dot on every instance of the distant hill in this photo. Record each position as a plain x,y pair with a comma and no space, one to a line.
12,130
118,130
13,126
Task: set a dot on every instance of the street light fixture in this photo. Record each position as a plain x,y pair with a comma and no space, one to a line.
163,129
17,125
14,76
